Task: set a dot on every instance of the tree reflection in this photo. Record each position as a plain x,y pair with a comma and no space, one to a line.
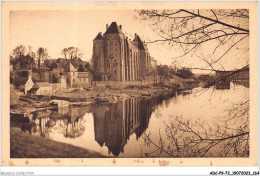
66,121
228,137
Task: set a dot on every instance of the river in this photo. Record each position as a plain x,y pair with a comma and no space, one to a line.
185,124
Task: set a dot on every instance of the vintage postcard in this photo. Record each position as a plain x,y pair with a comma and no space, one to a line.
129,84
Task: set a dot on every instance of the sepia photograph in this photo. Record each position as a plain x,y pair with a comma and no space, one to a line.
139,82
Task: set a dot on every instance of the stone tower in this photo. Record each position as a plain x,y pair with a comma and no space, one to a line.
98,56
117,58
114,52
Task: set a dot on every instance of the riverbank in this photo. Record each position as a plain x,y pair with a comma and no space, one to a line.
36,146
101,92
40,147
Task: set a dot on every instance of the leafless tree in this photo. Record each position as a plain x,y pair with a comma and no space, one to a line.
195,30
30,52
20,58
72,52
228,137
19,51
65,52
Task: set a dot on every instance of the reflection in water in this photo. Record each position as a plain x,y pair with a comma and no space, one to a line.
67,120
120,129
115,123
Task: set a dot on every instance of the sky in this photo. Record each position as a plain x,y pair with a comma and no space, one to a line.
56,30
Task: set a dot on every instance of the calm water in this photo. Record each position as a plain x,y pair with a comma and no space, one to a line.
125,128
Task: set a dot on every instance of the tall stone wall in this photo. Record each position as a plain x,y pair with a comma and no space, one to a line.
117,58
98,56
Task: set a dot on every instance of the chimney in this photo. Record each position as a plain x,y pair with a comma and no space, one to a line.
135,35
106,26
100,33
120,26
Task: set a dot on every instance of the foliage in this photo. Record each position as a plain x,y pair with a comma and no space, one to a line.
51,64
19,51
81,68
72,53
42,55
163,70
20,60
184,73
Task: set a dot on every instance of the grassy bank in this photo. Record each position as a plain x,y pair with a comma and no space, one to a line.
24,145
109,91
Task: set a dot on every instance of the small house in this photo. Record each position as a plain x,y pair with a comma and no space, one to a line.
24,83
75,78
41,88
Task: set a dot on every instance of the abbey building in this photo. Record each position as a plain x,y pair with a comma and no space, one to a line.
117,58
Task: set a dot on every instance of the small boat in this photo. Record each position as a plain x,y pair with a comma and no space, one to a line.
146,94
76,104
59,103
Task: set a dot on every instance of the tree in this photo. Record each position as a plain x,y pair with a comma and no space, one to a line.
78,54
163,70
19,51
42,55
65,52
72,52
20,60
212,36
51,64
196,138
87,66
81,68
195,30
184,73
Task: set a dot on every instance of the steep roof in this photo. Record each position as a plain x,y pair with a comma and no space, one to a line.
131,44
141,45
37,85
69,68
20,81
99,37
113,29
83,75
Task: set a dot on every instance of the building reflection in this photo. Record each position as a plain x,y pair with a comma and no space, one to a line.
115,123
67,121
